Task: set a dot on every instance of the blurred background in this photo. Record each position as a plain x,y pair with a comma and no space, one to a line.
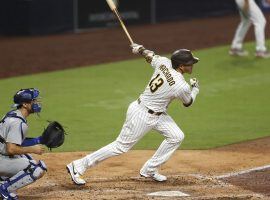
45,35
39,17
32,17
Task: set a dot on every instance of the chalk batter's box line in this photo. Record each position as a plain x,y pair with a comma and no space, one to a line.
243,172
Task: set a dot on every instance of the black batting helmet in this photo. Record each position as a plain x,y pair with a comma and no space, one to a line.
184,57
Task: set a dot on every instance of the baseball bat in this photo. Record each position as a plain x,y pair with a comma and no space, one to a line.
115,11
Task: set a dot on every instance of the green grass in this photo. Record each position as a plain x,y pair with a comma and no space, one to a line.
233,104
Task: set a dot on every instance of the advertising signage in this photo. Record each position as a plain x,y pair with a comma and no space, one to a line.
96,13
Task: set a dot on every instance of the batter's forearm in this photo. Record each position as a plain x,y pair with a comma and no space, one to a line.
194,93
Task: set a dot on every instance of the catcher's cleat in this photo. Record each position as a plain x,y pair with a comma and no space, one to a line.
238,52
262,54
155,176
14,196
5,195
75,176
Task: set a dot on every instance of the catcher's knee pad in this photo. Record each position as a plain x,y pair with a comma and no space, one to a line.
34,171
37,169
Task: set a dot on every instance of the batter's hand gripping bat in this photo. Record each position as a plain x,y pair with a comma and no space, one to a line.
115,11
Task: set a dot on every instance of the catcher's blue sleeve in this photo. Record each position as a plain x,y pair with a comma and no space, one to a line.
31,141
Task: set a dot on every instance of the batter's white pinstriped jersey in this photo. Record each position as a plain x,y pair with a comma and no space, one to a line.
165,85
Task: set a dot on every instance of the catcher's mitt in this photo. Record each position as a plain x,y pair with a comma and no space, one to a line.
54,135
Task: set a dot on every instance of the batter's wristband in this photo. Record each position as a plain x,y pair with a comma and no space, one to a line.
141,50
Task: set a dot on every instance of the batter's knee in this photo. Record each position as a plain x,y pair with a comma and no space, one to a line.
120,148
178,137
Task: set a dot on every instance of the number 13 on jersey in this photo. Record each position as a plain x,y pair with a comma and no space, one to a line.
155,83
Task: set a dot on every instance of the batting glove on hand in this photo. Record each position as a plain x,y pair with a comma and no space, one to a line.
136,48
194,82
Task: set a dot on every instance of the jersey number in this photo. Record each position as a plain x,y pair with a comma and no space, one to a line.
155,83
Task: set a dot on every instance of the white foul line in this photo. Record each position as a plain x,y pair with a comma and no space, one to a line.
243,172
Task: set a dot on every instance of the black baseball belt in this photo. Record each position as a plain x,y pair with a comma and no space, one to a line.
149,110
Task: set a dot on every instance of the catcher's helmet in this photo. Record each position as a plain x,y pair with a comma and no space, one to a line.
184,57
26,96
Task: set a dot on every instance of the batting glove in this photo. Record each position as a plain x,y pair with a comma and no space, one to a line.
194,83
136,48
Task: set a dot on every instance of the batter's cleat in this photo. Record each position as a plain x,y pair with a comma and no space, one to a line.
5,195
238,52
155,176
75,176
262,54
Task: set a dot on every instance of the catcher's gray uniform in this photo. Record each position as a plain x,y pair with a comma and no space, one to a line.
13,130
19,170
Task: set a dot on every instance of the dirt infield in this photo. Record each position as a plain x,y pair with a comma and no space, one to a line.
192,172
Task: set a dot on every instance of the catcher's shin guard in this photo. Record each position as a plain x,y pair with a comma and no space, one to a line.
34,171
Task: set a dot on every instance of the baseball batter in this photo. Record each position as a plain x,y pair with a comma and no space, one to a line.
17,167
250,14
149,112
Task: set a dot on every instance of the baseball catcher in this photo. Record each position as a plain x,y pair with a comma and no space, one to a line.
17,167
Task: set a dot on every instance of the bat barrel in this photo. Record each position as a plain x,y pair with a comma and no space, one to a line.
111,4
114,9
123,26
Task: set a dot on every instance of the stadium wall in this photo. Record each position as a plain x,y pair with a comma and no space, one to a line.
38,17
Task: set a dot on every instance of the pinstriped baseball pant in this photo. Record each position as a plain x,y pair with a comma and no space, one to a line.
138,123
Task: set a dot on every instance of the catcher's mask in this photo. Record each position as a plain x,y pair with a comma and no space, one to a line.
183,57
27,96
